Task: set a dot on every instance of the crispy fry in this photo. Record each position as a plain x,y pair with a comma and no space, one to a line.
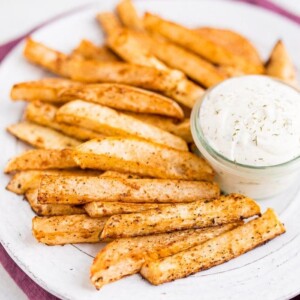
44,114
88,50
25,180
233,41
168,83
181,129
128,15
102,209
51,209
80,189
108,121
137,156
199,44
215,251
125,257
124,97
41,159
46,89
280,64
108,22
61,230
113,174
41,137
226,209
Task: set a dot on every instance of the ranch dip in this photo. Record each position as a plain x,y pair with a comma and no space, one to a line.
252,120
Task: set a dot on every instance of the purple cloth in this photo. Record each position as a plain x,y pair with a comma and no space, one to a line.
29,287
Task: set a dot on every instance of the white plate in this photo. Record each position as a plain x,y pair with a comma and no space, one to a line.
268,272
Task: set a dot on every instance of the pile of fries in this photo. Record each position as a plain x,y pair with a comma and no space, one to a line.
113,163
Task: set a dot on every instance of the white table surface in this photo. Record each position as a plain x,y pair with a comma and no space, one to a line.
18,17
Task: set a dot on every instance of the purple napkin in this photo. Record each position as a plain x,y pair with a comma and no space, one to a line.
29,287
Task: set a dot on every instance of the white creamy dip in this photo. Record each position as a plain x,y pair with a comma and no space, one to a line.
252,120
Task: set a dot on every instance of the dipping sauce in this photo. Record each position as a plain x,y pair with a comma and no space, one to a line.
253,120
248,129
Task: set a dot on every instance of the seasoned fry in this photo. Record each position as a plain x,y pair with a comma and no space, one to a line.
138,156
125,257
103,209
87,50
41,159
113,174
51,209
233,41
61,230
215,251
124,97
128,15
108,22
181,129
199,44
44,114
41,137
226,209
80,189
108,121
45,89
168,83
280,64
25,180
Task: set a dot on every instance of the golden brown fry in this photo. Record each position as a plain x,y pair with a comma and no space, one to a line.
124,97
232,41
128,15
137,156
61,230
280,64
168,83
41,159
88,50
108,121
226,209
51,209
41,137
80,189
181,129
108,22
102,209
113,174
46,89
215,251
202,46
125,257
44,114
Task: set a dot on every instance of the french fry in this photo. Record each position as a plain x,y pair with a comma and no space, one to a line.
280,64
128,15
215,251
41,137
233,41
44,114
61,230
125,257
113,174
51,209
88,50
108,121
226,209
80,190
46,89
124,97
168,83
41,159
141,157
181,128
202,46
108,22
103,209
25,180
